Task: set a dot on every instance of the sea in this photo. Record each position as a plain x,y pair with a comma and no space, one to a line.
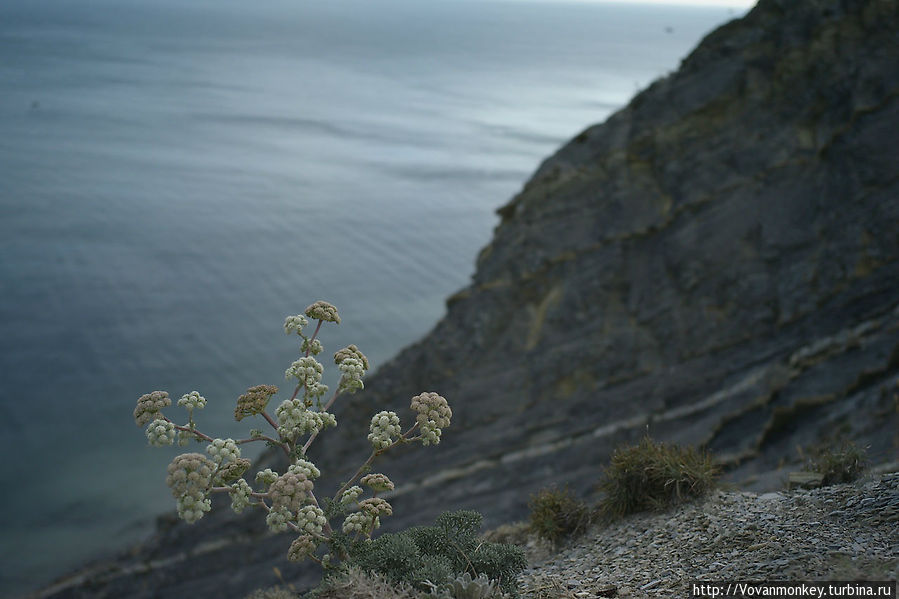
178,176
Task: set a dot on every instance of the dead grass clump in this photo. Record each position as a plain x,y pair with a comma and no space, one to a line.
557,514
358,584
653,476
843,465
272,593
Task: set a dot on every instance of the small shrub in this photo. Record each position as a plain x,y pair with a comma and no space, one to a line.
557,514
437,554
515,533
653,476
841,466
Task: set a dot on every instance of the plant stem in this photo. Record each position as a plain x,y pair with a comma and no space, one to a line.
324,409
259,438
306,355
190,430
371,459
285,445
270,420
327,526
314,335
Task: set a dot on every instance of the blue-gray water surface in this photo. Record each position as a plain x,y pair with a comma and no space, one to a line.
177,177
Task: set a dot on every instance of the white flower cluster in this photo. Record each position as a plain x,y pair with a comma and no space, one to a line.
304,545
323,311
240,495
360,522
352,372
311,519
161,433
184,438
290,491
375,507
307,370
377,482
149,407
266,477
350,495
189,478
314,347
295,324
277,519
294,419
368,517
324,420
192,401
350,351
192,507
223,450
305,467
384,427
430,435
434,414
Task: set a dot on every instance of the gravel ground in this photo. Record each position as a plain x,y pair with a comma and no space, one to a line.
842,532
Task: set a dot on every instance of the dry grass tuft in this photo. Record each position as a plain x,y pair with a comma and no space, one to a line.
557,514
653,476
357,584
841,466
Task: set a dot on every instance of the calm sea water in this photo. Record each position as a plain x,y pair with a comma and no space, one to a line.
176,178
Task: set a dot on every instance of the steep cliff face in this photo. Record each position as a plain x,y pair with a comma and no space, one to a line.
718,263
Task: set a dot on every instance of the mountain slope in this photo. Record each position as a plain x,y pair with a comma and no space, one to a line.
717,262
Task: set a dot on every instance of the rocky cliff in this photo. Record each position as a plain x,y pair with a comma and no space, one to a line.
717,263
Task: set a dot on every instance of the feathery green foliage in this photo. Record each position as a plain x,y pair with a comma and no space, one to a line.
439,553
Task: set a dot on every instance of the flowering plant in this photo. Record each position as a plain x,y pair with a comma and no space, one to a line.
289,499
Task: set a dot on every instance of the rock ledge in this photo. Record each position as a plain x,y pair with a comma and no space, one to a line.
842,532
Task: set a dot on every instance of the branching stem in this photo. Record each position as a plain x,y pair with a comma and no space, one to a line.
403,438
188,429
324,409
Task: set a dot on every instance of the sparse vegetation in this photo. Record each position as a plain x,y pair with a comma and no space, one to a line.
272,593
654,476
557,514
354,583
843,465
